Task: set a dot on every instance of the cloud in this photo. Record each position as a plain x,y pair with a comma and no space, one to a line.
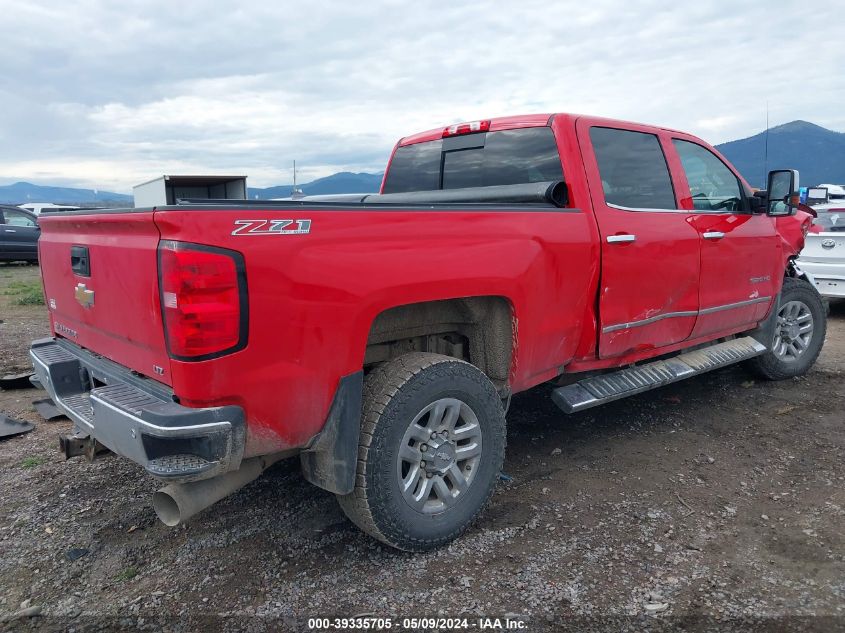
107,95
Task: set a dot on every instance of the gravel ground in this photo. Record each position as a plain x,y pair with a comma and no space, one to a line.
713,504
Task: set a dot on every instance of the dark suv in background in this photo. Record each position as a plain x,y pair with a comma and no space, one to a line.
18,235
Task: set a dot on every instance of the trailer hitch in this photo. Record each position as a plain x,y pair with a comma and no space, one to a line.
81,445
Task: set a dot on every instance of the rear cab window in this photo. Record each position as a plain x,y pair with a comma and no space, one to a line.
505,157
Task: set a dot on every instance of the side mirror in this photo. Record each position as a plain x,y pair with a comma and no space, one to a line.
782,192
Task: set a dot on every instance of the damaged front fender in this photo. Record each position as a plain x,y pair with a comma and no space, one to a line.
792,230
794,270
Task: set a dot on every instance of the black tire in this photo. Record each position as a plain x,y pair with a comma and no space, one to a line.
775,366
395,394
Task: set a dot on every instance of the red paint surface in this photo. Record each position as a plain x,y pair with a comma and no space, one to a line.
313,297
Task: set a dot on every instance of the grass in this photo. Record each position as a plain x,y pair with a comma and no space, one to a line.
25,293
32,462
127,574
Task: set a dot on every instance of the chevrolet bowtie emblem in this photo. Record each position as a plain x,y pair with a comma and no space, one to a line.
84,296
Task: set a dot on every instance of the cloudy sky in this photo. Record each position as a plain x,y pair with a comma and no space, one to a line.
110,94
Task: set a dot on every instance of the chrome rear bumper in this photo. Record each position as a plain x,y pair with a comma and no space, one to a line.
137,417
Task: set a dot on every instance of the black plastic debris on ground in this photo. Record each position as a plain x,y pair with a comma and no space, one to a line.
76,553
16,381
47,409
9,427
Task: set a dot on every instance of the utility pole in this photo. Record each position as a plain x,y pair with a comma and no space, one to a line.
296,193
766,149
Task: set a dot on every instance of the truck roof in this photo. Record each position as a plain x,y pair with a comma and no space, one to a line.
521,120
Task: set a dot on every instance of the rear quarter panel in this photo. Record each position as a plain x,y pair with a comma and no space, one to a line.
313,297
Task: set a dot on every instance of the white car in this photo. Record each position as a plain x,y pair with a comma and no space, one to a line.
823,256
37,208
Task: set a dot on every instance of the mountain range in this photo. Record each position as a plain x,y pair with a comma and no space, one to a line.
341,182
23,192
818,154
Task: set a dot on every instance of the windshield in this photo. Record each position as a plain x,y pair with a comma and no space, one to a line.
508,157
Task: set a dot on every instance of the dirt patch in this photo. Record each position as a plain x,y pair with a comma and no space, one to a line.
22,316
722,498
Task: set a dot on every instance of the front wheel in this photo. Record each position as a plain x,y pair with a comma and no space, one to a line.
431,447
799,331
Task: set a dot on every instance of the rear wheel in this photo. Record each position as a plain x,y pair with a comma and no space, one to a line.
432,445
799,331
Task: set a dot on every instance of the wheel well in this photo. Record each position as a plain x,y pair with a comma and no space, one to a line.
479,330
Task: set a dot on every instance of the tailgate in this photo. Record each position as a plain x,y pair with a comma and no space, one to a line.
111,306
824,248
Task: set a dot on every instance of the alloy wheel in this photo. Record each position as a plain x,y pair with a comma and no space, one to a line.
793,331
439,455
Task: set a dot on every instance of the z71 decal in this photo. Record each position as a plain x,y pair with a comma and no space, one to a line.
272,227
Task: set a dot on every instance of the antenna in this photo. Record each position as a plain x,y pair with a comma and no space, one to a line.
766,147
296,192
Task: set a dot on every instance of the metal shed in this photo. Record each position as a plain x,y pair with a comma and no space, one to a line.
169,189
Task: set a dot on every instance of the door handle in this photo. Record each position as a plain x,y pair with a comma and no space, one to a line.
11,231
621,239
713,235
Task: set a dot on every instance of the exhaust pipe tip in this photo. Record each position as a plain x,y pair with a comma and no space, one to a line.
166,508
176,503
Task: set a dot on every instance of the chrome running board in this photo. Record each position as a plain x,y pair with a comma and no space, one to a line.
597,390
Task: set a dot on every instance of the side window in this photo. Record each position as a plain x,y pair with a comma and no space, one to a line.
16,218
713,186
633,169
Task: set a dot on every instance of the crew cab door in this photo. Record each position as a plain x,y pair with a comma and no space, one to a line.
740,251
648,293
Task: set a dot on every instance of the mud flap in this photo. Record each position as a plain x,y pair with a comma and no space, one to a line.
765,332
331,459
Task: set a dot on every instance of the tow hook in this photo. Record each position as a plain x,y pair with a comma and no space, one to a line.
81,445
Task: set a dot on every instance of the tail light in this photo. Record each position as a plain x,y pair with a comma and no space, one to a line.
203,300
466,128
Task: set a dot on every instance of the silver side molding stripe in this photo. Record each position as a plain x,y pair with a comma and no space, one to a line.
686,313
649,321
738,304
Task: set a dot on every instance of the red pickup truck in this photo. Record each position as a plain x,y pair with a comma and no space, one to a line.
380,337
